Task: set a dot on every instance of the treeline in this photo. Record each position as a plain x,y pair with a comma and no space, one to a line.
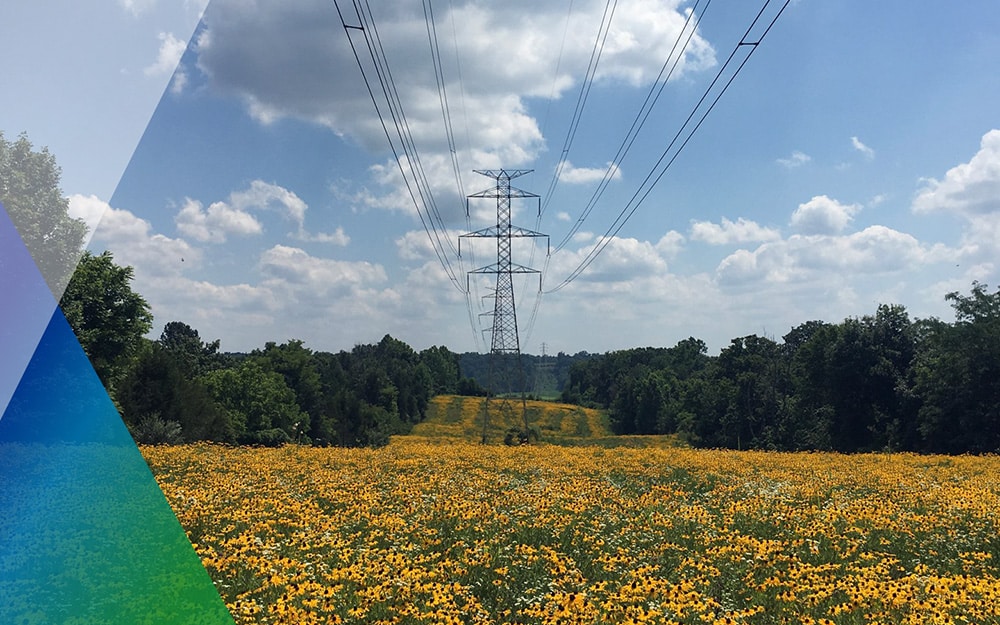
179,388
879,382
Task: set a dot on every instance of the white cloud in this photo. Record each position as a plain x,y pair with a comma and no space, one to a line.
728,232
133,242
262,195
969,189
585,175
563,216
797,159
221,219
861,147
670,244
337,237
89,209
621,260
318,276
803,258
178,82
293,60
214,223
168,57
823,215
415,245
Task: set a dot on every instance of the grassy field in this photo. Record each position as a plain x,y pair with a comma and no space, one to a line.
441,530
456,418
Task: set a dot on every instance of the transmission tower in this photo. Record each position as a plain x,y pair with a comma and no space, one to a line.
505,367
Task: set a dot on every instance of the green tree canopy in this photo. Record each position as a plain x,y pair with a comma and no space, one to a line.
157,386
29,191
957,376
259,402
193,355
108,317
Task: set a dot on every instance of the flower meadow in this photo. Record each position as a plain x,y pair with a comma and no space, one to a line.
432,530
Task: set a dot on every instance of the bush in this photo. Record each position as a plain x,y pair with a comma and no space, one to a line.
153,430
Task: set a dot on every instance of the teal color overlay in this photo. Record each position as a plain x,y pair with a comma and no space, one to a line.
86,535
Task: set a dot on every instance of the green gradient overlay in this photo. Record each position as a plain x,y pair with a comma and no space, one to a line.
86,535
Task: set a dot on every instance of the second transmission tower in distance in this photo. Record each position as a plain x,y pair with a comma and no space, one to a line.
506,367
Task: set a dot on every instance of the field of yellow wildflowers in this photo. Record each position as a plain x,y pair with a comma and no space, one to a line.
448,531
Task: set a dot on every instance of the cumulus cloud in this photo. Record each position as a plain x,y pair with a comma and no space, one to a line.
234,217
87,208
622,260
292,60
214,223
168,57
797,159
318,275
337,237
969,189
585,175
133,242
861,147
670,244
416,245
262,195
823,215
728,232
874,250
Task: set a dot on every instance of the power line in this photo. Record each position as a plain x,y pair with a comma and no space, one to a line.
419,185
693,19
663,163
581,99
439,78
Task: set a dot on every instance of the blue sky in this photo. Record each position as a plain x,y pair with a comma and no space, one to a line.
854,161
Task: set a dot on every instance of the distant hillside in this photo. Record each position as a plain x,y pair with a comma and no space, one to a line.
544,376
461,418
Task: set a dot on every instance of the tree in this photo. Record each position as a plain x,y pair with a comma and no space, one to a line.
259,403
29,191
298,367
185,345
443,367
957,377
158,389
108,317
753,365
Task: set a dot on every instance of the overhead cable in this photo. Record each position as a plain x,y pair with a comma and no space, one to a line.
664,163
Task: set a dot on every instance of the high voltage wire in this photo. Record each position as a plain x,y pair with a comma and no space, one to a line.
413,156
637,123
439,78
425,207
581,100
641,116
660,168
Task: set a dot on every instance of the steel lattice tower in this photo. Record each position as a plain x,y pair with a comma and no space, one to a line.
506,367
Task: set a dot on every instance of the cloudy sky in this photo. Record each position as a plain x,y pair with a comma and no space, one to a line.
231,152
